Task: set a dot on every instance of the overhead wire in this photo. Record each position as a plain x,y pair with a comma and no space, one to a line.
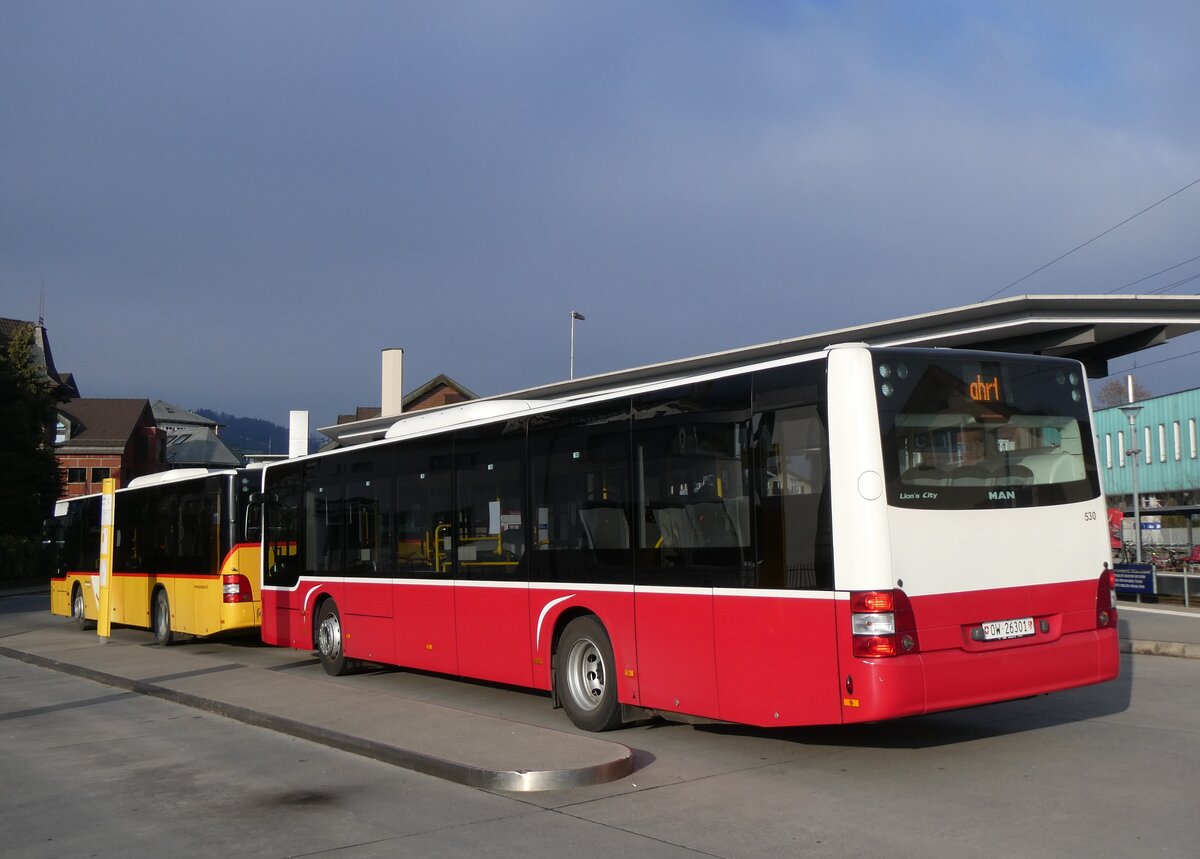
1156,274
1137,366
1060,257
1169,286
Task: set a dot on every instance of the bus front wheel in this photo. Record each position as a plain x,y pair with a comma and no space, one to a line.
330,645
162,619
586,677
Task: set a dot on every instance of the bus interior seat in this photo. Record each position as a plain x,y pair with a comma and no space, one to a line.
512,541
605,526
924,475
971,475
738,508
1013,475
1056,467
675,524
711,523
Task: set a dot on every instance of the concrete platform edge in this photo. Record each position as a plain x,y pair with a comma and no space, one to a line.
1160,648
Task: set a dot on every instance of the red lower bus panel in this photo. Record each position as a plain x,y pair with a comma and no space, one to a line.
369,599
948,680
424,627
290,622
368,637
1074,660
367,621
777,662
492,625
676,652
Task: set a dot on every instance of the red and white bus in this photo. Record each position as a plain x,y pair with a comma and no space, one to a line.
846,536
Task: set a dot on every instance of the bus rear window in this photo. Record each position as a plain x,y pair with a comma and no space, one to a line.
985,432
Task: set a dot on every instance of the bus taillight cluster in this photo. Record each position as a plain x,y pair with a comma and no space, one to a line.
882,624
236,588
1106,599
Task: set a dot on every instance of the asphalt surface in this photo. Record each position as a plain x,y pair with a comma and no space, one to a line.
284,690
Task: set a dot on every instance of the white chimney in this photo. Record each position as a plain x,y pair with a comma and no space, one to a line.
297,433
393,382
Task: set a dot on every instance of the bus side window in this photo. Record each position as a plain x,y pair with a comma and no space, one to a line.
54,539
793,505
253,519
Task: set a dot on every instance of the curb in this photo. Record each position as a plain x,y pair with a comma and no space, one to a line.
1161,648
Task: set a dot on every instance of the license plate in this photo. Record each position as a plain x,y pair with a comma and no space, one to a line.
996,630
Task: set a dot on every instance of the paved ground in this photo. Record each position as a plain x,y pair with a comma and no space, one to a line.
284,690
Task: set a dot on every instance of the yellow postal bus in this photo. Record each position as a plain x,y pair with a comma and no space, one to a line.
183,562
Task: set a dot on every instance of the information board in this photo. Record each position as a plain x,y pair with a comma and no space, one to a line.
1134,578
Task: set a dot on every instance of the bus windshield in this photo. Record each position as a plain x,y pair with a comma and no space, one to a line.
976,432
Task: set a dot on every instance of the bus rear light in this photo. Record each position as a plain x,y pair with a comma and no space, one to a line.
882,624
236,588
872,601
1106,599
873,624
874,646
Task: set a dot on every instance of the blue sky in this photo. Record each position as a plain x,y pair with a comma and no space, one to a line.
237,205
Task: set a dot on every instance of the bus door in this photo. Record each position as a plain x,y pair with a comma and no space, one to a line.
195,555
132,560
690,451
284,538
366,536
491,589
775,636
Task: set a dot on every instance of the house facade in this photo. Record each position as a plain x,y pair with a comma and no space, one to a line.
97,438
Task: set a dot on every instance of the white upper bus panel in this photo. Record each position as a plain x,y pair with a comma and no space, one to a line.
423,422
171,476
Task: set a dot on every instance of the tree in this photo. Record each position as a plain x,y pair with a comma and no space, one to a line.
29,480
1114,391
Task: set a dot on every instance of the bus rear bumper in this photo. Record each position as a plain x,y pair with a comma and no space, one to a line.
953,679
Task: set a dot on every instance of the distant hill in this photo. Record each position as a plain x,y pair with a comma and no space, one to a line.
249,435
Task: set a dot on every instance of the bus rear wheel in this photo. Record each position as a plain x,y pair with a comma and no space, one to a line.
330,644
77,613
585,675
161,617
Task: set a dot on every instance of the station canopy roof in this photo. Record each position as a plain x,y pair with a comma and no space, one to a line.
1092,329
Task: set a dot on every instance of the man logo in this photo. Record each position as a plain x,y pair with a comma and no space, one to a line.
1005,495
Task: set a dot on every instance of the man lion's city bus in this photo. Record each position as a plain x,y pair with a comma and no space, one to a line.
847,536
182,561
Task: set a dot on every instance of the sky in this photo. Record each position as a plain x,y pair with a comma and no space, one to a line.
238,205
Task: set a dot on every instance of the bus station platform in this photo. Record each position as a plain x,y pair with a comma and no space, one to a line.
453,735
288,692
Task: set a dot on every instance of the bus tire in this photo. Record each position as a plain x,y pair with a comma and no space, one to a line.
77,609
161,618
330,641
586,677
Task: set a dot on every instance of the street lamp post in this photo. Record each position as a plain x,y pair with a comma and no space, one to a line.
1131,412
574,315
